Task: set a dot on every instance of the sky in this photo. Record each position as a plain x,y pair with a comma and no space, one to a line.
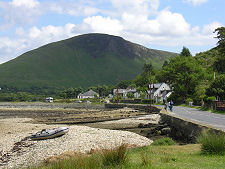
157,24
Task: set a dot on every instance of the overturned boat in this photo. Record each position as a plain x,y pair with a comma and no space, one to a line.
49,133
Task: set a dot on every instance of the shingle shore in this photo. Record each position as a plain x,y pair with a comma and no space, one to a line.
17,150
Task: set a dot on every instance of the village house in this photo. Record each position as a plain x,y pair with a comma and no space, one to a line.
159,91
88,94
49,99
124,92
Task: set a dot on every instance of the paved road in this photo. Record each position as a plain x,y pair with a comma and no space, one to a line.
203,117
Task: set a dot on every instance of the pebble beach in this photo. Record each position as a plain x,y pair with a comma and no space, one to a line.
17,150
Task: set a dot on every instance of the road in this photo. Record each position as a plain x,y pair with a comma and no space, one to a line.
203,117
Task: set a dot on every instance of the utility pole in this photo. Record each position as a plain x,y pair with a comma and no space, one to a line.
150,90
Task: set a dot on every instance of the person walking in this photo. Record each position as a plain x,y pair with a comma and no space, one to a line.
165,104
171,105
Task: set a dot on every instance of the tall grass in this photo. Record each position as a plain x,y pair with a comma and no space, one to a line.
114,157
212,143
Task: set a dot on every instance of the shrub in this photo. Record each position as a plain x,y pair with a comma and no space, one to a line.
114,157
209,101
166,141
188,100
212,143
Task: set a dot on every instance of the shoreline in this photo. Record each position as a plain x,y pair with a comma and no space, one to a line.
17,150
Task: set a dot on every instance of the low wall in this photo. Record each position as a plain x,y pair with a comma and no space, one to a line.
147,108
183,129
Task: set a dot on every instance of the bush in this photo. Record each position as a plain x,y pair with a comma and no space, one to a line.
114,157
209,101
166,141
188,100
212,143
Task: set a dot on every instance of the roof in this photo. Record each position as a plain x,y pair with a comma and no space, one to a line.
89,93
156,85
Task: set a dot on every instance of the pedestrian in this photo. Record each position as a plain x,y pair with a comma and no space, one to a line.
165,104
171,105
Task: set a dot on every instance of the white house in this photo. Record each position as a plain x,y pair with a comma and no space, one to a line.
49,99
124,92
159,91
88,94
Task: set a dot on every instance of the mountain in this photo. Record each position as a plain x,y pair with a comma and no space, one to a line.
85,60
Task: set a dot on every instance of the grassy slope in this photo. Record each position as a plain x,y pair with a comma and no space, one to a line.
158,157
74,63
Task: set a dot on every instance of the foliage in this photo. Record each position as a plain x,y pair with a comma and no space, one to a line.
130,95
166,141
20,96
70,93
124,84
221,39
200,92
103,90
188,100
183,74
219,64
212,143
185,52
217,88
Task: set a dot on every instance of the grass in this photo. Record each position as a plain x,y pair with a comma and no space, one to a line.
164,142
212,143
149,157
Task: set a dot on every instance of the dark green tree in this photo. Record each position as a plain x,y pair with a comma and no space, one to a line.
185,52
219,64
183,74
217,88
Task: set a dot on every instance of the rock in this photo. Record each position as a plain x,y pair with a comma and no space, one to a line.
166,131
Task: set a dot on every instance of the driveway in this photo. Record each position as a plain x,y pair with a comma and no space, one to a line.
203,117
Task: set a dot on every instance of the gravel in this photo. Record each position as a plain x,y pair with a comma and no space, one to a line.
17,150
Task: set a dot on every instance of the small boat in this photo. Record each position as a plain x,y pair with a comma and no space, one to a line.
49,133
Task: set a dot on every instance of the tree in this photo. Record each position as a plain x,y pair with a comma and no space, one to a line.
143,79
219,64
183,74
221,38
185,52
217,88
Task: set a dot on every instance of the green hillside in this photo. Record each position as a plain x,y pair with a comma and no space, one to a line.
84,60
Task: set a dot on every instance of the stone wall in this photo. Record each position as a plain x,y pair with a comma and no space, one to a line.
147,108
183,129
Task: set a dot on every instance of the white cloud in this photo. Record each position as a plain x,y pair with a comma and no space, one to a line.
136,6
19,12
210,28
73,8
25,3
103,25
139,21
35,37
196,2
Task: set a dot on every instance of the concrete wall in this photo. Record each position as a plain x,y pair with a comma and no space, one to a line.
183,129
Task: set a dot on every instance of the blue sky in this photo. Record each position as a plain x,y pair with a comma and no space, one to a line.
158,24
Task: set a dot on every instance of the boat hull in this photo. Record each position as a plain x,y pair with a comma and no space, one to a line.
49,134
